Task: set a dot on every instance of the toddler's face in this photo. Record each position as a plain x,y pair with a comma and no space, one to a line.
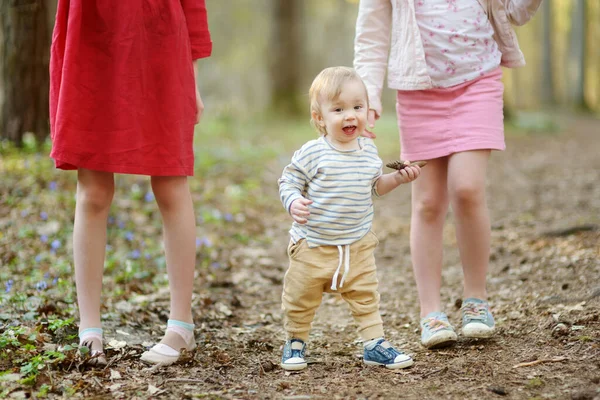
345,117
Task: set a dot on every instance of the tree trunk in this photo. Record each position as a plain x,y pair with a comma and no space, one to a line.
576,54
285,53
548,79
24,78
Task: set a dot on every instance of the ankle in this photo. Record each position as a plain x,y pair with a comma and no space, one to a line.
182,329
186,325
92,339
185,317
369,344
427,312
92,333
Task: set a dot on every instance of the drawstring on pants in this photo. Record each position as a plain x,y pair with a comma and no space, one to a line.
346,261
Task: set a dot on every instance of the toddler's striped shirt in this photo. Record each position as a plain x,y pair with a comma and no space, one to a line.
340,184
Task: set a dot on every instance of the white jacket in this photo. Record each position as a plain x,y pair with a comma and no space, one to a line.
387,37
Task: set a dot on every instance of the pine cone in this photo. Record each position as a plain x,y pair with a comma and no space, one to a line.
399,165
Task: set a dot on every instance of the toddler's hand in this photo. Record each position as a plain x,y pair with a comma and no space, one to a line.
408,174
299,210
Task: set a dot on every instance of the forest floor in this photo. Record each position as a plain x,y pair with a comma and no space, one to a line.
544,284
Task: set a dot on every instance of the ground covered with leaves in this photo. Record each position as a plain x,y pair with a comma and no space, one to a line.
544,285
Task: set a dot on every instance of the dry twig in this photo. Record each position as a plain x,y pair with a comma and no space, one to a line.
543,360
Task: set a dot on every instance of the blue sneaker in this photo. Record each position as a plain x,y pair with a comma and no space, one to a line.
382,353
477,320
293,355
436,331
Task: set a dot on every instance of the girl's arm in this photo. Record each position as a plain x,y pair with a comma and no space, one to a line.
371,46
197,24
519,12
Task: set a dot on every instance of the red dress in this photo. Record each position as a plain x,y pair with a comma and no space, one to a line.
122,94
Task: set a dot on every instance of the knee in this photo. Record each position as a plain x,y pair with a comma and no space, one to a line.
169,192
467,196
431,208
95,197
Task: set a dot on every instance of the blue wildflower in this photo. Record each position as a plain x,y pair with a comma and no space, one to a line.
52,186
215,265
44,238
41,285
24,213
129,236
204,241
111,219
56,244
55,281
38,258
44,215
135,254
228,217
8,285
149,197
121,224
147,255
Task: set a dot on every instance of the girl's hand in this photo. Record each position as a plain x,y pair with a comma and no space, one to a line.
408,174
299,210
371,118
199,102
199,105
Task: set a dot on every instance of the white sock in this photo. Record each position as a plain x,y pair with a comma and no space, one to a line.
369,344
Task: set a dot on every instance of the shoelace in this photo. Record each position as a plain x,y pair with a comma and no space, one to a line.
434,324
475,311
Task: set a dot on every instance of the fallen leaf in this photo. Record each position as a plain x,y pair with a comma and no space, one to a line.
117,344
10,377
114,374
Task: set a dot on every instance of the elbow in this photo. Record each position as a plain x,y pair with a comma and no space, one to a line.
520,15
519,20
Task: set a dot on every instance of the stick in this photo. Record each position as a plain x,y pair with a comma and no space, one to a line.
184,380
543,360
434,372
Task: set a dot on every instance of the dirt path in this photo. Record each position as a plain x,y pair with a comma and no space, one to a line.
544,288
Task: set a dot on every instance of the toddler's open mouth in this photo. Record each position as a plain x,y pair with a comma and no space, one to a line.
349,130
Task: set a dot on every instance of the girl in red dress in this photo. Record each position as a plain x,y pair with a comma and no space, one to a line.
124,99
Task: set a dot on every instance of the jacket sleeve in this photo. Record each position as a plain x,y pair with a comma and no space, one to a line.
197,24
519,12
371,46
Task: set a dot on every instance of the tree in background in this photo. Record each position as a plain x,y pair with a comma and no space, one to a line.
285,54
24,57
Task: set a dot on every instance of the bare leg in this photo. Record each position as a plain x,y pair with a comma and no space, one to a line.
429,208
95,192
177,210
466,186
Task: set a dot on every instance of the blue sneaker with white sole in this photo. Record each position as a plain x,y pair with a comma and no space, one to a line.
293,355
436,331
477,320
382,353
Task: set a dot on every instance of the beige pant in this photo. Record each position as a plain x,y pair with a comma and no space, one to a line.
310,275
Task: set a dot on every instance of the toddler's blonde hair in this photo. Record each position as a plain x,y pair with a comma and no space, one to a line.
328,85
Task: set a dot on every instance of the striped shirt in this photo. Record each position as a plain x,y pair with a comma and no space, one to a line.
340,184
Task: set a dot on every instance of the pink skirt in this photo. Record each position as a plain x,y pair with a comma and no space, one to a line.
438,122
